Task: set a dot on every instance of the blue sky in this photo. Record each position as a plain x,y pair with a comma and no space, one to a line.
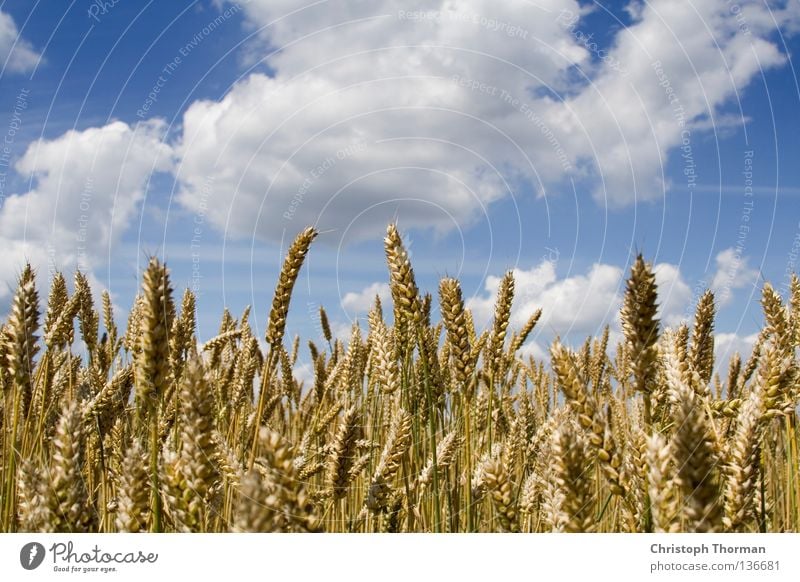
555,138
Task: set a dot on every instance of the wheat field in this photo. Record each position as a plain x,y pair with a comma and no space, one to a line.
410,426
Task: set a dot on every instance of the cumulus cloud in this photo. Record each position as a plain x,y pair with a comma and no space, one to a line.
727,344
434,111
574,307
733,272
579,304
357,303
86,188
683,63
674,295
16,53
533,349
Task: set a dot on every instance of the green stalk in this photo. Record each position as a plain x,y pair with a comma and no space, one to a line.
762,518
792,491
465,410
11,469
105,521
45,363
155,441
648,420
437,525
490,410
265,380
405,395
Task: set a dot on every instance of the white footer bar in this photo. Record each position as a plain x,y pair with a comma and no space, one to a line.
350,558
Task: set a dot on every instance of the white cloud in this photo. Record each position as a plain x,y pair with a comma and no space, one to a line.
733,272
363,119
304,373
534,349
87,189
580,304
16,53
577,304
630,124
674,294
360,302
727,344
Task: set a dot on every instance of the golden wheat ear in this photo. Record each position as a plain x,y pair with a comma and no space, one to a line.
641,328
498,482
292,264
502,316
397,444
661,485
744,465
22,339
67,498
56,304
343,452
153,372
192,474
273,498
455,321
133,491
701,353
695,451
408,311
574,479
